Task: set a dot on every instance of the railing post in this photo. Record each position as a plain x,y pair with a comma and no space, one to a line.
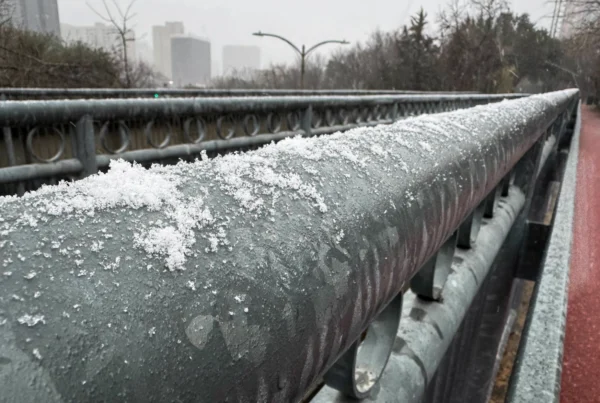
10,150
86,145
306,121
394,114
10,153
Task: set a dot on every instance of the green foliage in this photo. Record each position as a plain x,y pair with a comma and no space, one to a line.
478,51
405,59
29,59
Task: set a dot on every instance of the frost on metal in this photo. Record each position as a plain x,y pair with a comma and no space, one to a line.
538,372
230,262
30,320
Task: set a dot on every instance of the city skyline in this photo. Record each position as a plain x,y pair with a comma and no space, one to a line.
226,22
190,60
36,15
155,49
99,35
161,45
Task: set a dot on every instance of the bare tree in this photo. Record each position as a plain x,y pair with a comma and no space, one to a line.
451,17
580,32
583,16
121,21
6,11
490,8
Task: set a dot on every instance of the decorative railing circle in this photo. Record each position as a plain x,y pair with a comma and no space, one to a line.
293,121
431,278
124,133
330,117
368,114
200,130
251,121
274,122
359,370
469,229
223,120
317,119
150,140
344,116
61,149
358,116
375,113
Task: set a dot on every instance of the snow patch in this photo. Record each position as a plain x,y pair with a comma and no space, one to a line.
30,320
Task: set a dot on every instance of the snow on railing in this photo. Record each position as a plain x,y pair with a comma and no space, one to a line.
249,277
46,141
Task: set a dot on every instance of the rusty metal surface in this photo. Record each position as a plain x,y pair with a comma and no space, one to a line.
240,278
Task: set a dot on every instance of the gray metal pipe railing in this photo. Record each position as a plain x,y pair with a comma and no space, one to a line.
246,277
423,339
538,367
72,93
253,121
44,112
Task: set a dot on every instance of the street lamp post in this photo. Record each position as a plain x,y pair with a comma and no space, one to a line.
303,53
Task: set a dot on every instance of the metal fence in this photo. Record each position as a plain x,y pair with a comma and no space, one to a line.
282,274
46,141
538,368
102,93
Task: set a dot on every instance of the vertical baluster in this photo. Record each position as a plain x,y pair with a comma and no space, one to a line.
306,121
86,145
12,161
394,112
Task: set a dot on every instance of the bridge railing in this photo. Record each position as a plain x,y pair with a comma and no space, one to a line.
538,366
378,264
16,94
46,141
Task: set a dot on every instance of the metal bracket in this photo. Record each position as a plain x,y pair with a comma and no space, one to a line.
539,227
360,368
429,281
469,229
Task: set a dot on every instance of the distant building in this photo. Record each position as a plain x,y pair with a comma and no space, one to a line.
36,15
161,42
191,63
215,68
240,58
144,52
99,36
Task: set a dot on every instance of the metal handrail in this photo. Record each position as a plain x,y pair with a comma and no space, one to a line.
263,119
246,278
39,112
70,93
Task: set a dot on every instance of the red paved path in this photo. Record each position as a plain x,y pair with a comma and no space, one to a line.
581,363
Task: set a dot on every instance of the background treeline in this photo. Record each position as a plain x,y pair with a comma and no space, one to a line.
475,46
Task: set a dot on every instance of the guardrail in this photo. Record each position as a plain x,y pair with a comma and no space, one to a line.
259,276
45,141
538,368
90,93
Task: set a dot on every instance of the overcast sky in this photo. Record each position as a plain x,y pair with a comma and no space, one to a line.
227,22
